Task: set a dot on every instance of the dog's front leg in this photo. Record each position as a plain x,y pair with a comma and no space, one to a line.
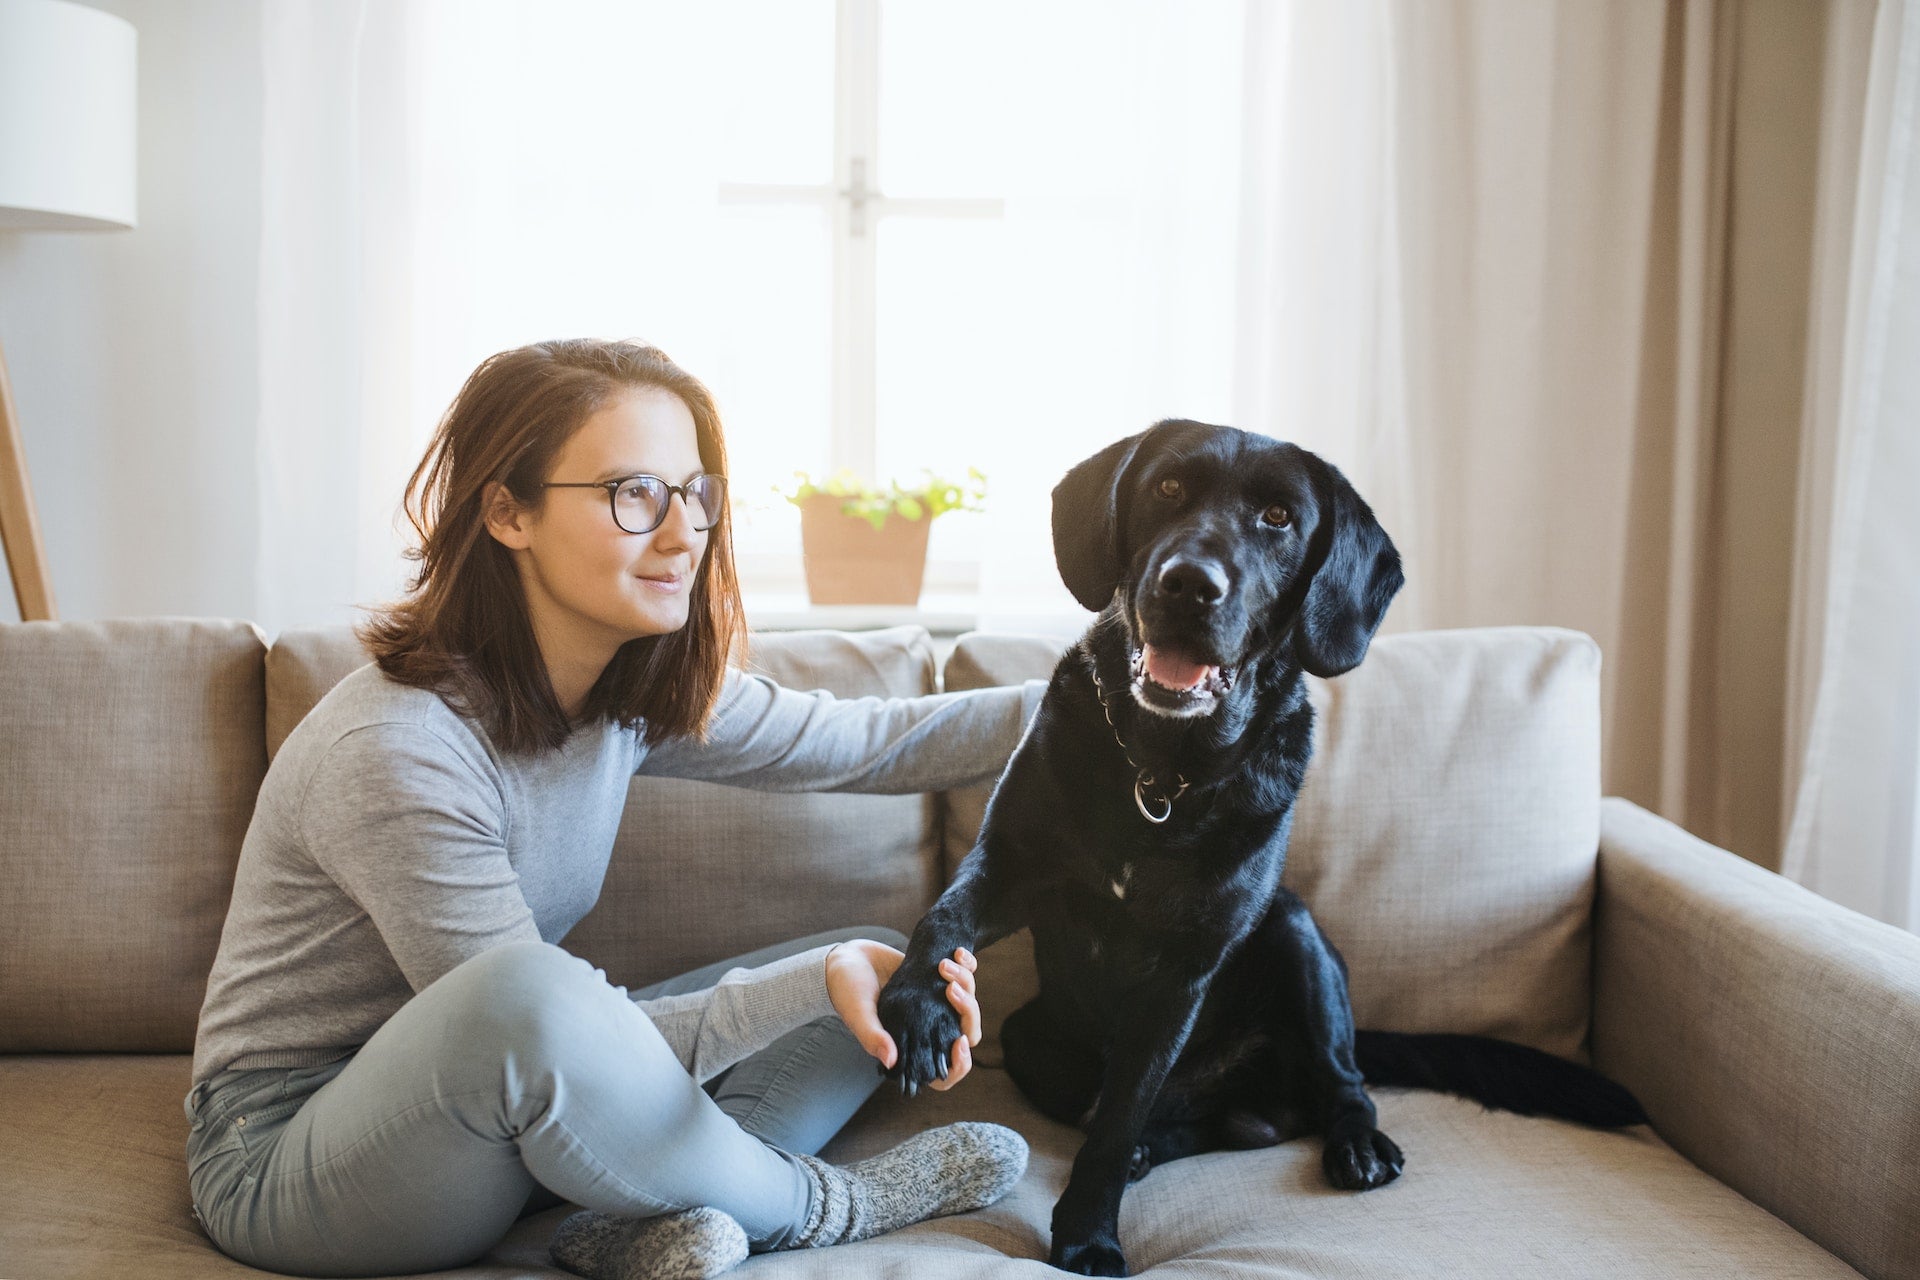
1086,1236
974,912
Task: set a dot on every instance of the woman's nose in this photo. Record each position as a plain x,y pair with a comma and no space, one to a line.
676,529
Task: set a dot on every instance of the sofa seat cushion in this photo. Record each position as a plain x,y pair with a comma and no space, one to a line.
93,1185
1484,1194
1446,835
93,1173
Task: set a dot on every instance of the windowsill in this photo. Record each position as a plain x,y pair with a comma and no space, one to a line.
939,614
945,614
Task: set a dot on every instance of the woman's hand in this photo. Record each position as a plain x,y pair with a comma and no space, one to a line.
857,970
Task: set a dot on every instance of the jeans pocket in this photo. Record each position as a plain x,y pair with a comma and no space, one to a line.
256,1127
239,1114
210,1141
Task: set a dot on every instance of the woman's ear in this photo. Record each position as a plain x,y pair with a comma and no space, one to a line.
506,519
1086,524
1356,573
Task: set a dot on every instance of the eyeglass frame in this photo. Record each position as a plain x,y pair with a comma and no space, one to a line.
613,497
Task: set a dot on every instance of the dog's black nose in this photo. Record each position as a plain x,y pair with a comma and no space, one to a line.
1200,581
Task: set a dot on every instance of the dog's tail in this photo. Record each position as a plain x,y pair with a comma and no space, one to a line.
1498,1074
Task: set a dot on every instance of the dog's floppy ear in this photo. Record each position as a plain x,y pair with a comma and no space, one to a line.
1356,573
1086,523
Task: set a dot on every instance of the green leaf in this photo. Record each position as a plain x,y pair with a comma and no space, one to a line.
933,497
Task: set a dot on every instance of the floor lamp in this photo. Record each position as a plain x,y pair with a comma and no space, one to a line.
67,131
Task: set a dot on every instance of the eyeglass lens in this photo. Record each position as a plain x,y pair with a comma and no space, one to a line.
640,505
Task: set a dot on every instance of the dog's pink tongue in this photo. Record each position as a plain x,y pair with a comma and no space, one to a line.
1174,670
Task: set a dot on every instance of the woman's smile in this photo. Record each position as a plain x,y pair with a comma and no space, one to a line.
671,582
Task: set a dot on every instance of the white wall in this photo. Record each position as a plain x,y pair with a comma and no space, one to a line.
132,354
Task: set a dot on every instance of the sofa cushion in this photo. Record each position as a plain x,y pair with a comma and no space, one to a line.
93,1186
130,754
1484,1194
702,871
302,665
1445,838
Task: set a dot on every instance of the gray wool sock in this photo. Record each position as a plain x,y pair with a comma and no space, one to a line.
953,1169
690,1245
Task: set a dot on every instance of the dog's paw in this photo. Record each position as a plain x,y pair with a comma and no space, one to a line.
1099,1256
923,1026
1362,1160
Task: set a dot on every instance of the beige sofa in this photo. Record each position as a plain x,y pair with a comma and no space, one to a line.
1451,839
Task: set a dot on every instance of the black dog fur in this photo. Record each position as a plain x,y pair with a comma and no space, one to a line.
1188,1002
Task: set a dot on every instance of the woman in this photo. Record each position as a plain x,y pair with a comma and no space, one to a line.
394,1062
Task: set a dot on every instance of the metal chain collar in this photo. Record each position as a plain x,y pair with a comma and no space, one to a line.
1143,779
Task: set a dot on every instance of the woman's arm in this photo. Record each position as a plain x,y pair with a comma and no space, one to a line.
777,739
748,1009
417,839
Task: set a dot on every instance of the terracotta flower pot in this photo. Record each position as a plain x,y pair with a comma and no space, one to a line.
848,561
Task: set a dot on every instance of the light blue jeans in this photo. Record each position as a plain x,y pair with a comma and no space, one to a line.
520,1080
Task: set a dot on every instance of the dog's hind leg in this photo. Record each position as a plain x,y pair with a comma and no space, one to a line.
1059,1075
1174,1141
1177,1139
1357,1157
1195,1127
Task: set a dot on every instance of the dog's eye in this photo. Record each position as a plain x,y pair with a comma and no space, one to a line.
1277,516
1170,488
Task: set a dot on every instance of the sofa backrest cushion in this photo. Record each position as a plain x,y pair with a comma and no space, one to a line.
303,664
1445,838
130,755
700,871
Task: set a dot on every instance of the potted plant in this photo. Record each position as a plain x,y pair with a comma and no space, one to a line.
863,544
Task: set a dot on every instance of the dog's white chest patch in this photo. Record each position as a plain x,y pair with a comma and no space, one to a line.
1124,883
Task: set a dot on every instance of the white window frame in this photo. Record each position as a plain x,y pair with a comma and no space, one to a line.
855,210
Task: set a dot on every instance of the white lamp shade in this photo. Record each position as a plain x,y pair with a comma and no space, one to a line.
67,117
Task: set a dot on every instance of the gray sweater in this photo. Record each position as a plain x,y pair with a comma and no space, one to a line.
391,841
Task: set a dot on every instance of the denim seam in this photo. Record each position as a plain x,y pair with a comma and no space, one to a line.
561,1125
396,1116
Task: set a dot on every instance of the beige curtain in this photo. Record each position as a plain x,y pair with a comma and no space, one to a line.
1582,334
1698,704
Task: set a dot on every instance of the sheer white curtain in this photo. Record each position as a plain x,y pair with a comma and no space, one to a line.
1855,831
1321,317
334,304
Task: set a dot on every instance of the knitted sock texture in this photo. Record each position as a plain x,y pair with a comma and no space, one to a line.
953,1169
693,1244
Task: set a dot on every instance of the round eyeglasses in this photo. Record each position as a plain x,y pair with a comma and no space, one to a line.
639,503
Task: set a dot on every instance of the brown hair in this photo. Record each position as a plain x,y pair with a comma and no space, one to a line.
463,630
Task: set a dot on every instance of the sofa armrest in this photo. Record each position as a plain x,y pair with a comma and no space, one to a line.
1773,1036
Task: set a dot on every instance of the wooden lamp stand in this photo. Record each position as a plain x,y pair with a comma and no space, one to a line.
19,525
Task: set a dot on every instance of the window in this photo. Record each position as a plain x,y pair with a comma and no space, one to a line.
890,235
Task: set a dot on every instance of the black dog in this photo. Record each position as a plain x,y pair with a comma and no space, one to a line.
1187,1001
